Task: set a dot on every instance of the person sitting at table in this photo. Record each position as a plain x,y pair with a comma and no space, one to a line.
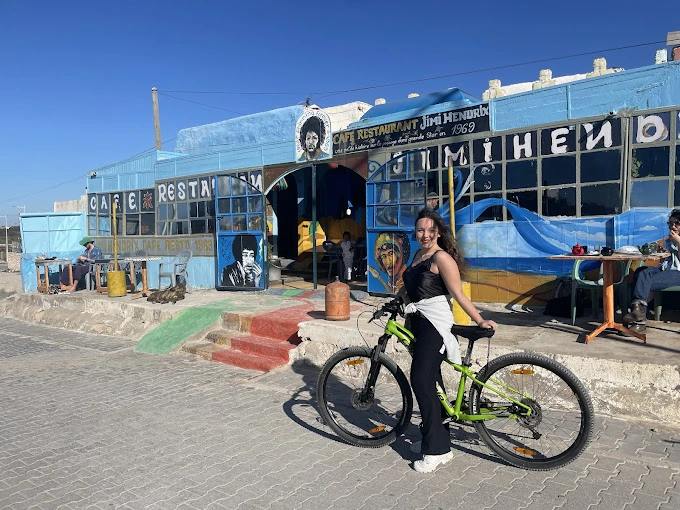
647,279
82,266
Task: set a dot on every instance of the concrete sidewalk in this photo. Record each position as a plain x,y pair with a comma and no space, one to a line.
625,377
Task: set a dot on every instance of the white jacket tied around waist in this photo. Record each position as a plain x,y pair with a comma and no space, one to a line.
437,310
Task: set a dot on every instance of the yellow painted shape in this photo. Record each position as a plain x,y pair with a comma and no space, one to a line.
459,316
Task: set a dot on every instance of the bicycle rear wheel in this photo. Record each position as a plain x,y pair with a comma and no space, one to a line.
561,422
367,417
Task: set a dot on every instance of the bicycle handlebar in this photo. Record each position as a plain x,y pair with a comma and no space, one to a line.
395,307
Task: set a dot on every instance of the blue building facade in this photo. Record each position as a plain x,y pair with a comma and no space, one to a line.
594,161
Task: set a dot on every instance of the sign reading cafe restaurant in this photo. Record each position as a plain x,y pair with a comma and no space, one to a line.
474,119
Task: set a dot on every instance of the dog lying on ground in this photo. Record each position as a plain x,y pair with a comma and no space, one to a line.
171,295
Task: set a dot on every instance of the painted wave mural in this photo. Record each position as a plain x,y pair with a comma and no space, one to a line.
524,243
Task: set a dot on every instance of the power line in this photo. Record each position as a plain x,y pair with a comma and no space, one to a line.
233,93
462,73
202,104
54,186
495,68
18,197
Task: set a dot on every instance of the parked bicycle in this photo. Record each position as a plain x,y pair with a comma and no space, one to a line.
530,410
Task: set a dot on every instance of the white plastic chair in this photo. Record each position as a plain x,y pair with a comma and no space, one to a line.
175,269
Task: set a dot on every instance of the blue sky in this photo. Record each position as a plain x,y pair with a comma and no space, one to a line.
76,77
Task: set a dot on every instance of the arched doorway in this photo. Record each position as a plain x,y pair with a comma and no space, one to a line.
340,207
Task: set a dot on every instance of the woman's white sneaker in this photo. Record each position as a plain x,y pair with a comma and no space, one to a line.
430,462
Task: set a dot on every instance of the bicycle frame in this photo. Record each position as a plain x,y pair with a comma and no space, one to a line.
456,412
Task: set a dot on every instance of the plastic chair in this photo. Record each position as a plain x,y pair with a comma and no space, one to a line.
175,269
334,253
137,266
595,287
658,300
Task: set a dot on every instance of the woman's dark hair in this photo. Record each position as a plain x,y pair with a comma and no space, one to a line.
675,213
445,240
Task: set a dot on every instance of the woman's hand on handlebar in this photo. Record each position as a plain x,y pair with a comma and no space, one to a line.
488,324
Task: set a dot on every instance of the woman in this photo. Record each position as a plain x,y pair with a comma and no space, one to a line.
82,266
433,275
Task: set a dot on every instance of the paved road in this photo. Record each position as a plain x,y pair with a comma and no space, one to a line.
88,423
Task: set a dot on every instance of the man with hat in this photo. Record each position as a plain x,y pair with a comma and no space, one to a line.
82,266
432,200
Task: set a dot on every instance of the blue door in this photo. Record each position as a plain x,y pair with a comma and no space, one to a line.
395,193
241,239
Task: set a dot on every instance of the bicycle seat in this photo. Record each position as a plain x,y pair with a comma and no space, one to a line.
472,333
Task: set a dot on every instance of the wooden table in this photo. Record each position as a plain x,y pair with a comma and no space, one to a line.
101,266
45,287
608,287
145,285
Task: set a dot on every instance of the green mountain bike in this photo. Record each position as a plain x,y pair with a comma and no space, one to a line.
529,409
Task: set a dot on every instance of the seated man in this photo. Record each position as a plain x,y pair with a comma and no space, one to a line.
647,279
82,266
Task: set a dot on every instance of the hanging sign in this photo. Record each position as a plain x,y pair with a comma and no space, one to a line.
464,121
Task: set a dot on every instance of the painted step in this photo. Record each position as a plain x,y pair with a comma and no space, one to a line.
281,324
245,360
250,344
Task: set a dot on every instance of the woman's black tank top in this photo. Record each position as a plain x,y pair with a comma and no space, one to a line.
421,283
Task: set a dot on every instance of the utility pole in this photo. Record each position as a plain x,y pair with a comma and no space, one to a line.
156,118
6,242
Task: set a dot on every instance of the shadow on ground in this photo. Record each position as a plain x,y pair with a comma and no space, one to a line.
302,408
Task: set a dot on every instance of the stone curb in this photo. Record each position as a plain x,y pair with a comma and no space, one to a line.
623,389
87,315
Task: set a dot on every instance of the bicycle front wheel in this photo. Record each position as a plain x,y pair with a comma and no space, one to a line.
557,429
361,415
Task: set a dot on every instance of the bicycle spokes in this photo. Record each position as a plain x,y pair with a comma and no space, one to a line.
360,408
544,420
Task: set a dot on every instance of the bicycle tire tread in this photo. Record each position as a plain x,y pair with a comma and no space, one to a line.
588,422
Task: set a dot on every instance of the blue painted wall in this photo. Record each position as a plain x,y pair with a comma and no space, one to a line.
137,172
257,130
55,235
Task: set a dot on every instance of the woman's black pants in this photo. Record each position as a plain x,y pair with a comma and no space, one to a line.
425,373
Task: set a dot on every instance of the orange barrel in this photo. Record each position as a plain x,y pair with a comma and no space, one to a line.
337,301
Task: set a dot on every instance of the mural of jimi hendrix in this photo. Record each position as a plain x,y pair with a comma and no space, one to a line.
244,270
392,251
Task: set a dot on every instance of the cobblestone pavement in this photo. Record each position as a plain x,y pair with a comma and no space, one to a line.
87,423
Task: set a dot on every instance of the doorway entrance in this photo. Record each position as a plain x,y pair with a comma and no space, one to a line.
340,207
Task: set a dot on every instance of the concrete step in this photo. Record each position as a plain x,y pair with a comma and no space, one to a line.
245,360
222,337
203,349
250,344
291,279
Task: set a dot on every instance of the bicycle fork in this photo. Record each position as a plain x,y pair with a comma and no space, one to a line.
374,371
